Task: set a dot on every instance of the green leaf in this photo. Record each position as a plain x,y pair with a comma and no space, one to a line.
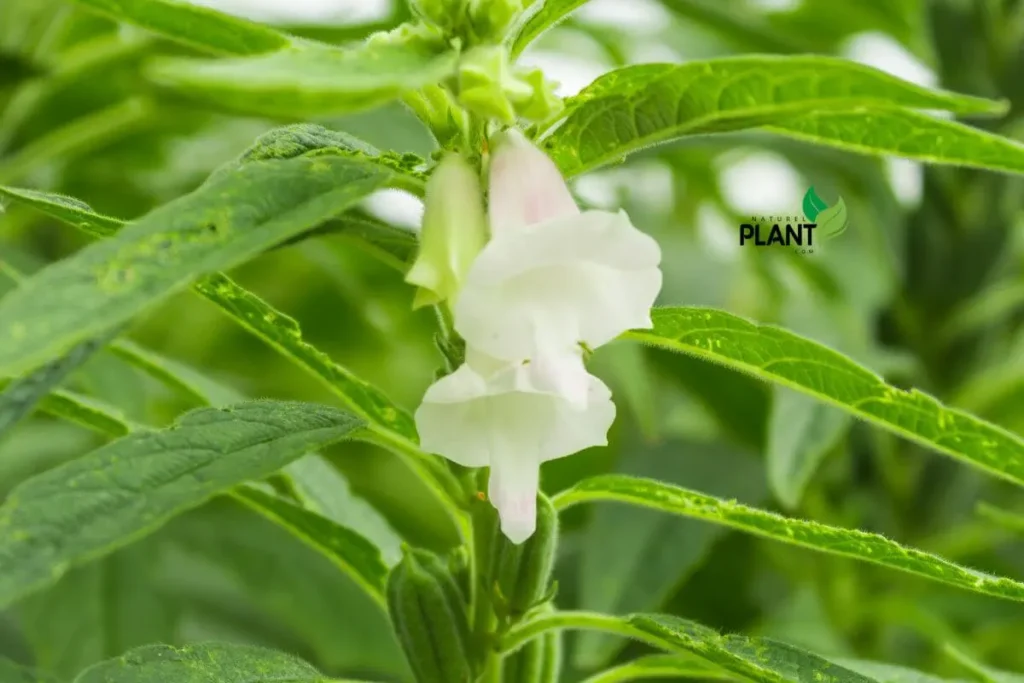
192,25
349,551
323,489
66,209
660,666
813,204
802,430
20,397
757,659
15,673
206,663
633,559
285,335
99,610
548,14
779,356
889,673
83,410
851,543
983,671
908,134
314,481
215,227
333,522
393,245
174,375
628,109
289,583
306,80
127,489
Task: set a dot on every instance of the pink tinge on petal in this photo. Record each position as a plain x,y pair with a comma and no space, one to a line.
513,492
518,518
525,186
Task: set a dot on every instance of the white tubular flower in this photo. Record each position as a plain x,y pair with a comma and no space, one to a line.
454,231
512,417
552,277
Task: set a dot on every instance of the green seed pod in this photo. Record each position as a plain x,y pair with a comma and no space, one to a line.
523,572
428,613
486,533
539,661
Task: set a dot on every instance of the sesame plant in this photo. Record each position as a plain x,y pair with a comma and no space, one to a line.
549,432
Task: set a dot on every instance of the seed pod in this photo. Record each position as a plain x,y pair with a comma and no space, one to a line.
486,534
538,661
428,614
523,571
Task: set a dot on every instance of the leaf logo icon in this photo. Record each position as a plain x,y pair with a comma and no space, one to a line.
813,204
833,221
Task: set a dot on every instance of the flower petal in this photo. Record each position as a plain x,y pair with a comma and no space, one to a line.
512,489
587,278
454,231
525,186
512,413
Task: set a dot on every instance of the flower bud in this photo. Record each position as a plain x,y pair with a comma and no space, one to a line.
443,116
428,613
414,34
454,231
486,83
442,13
491,18
523,571
542,102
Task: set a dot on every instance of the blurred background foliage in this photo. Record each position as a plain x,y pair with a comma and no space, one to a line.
925,287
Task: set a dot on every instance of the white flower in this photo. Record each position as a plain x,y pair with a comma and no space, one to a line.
512,417
454,231
552,276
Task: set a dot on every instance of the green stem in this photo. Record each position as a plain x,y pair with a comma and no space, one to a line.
579,621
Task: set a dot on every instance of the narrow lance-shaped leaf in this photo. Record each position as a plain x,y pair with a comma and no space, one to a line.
547,14
283,333
315,482
851,543
623,565
66,209
129,488
217,226
907,134
20,397
660,667
393,424
631,108
394,245
193,25
83,410
756,659
779,356
332,525
204,663
352,553
307,79
262,319
801,432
